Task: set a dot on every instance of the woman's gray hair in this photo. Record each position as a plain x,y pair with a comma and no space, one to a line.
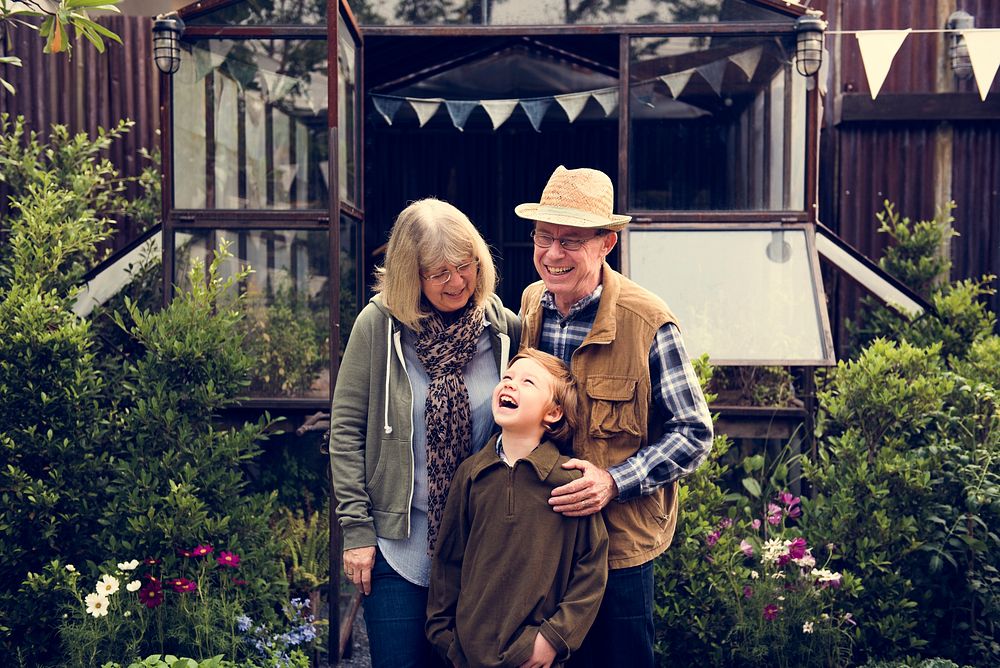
427,234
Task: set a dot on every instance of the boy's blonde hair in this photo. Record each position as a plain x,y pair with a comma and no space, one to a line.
564,395
426,234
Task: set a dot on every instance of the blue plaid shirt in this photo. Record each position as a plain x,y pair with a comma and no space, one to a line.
677,396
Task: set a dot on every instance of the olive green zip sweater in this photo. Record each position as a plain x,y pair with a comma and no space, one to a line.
508,567
371,423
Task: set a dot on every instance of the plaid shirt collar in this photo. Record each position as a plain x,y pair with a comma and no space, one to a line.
549,302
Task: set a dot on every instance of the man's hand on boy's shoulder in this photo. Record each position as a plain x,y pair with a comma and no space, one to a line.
586,495
542,655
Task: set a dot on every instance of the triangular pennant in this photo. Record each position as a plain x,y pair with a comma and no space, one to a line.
573,104
608,99
878,48
424,108
984,54
748,60
278,85
498,110
206,60
677,81
459,111
535,109
387,106
713,73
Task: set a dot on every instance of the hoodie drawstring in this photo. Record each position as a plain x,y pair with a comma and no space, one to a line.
388,361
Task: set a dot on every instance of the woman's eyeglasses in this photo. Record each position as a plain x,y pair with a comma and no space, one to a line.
442,277
543,240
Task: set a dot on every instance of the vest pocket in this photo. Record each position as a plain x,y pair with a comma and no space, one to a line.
612,406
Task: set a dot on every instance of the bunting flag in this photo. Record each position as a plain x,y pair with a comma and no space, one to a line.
498,110
748,60
459,111
206,60
387,106
278,85
573,104
713,73
608,99
878,48
677,82
984,54
424,108
535,109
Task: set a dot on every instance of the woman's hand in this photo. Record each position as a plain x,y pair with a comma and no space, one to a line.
542,655
358,564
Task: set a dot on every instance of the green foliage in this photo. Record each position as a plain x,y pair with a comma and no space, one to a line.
306,549
916,257
171,661
56,20
118,457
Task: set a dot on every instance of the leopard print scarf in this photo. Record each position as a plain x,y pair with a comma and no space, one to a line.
444,350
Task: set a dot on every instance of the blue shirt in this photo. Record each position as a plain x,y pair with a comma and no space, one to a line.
677,398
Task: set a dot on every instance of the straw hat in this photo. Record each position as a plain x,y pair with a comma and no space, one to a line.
578,198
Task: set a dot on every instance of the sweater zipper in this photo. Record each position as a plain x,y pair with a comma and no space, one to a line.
409,498
510,490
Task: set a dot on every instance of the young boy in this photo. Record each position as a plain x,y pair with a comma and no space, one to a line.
513,583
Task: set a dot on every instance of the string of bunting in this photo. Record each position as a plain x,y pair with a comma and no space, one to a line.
572,104
878,49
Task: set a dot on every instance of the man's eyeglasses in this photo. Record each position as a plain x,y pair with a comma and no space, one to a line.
443,277
543,240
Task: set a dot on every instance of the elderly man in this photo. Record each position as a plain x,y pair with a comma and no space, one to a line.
644,420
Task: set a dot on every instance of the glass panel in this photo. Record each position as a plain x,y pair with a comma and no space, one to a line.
717,124
250,126
266,12
558,12
739,295
347,135
350,276
286,302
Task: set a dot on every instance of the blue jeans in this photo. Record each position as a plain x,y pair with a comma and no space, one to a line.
395,613
622,636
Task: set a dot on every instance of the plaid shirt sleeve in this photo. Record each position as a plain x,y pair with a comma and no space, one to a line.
687,438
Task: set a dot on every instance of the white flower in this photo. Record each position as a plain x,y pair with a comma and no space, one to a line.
108,585
754,575
824,575
71,568
97,604
134,585
781,598
807,627
128,565
778,576
128,613
772,549
807,561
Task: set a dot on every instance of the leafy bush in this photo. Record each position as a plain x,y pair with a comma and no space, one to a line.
123,455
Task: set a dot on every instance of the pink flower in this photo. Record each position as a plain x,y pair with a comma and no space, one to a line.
182,552
202,550
230,559
239,583
712,538
770,612
773,514
746,548
725,523
791,504
151,561
182,585
755,524
747,591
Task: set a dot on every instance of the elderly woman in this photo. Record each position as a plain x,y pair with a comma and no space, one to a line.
412,401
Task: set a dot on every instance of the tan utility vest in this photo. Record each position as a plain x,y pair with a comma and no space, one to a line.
611,367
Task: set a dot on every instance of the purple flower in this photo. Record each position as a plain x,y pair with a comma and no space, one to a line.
230,559
797,548
747,591
151,594
725,523
202,550
182,585
791,504
712,538
770,612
